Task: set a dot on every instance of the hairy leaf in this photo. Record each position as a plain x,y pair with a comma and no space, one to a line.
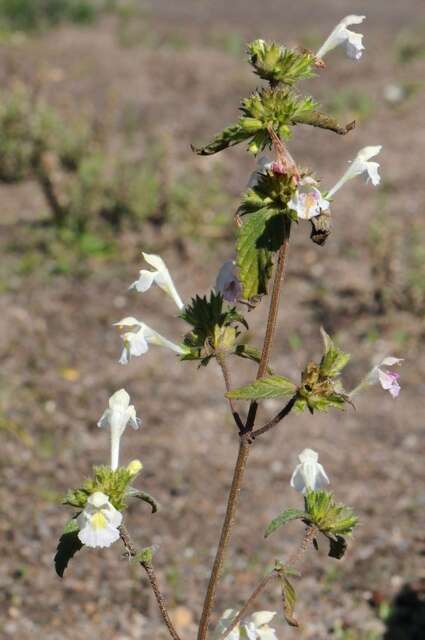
259,237
283,518
146,497
289,599
264,389
69,544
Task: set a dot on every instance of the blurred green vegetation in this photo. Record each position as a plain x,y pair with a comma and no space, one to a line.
33,15
92,194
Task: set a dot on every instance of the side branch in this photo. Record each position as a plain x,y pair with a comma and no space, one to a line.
277,418
147,566
294,559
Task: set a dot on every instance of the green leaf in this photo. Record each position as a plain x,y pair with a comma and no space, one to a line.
283,518
264,389
142,495
69,544
259,237
337,547
289,599
232,135
323,121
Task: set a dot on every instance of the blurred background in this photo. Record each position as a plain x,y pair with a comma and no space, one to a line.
99,103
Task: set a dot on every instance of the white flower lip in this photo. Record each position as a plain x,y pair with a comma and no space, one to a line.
255,627
119,414
309,475
342,35
361,165
99,522
161,277
137,342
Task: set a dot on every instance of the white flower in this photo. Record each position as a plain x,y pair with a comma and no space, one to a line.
137,340
227,283
307,200
309,474
387,379
341,35
361,165
99,522
119,414
161,276
256,627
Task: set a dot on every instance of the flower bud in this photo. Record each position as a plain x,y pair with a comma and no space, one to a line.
134,467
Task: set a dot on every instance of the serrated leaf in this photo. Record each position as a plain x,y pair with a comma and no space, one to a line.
142,495
337,547
260,236
289,599
264,389
323,121
229,137
283,518
69,544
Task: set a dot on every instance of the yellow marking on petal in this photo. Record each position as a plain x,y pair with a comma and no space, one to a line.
98,520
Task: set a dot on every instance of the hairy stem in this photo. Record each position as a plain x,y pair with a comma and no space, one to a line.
221,361
226,530
271,326
147,566
244,448
294,559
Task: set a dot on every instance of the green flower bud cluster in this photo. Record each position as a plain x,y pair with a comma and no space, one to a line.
114,484
277,64
272,192
215,327
320,388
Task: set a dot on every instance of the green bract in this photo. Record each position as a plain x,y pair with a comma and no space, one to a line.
114,484
277,64
215,327
328,516
272,192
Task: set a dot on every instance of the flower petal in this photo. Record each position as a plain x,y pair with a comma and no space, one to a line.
144,281
98,538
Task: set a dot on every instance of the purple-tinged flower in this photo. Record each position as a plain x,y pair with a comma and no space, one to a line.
386,378
228,283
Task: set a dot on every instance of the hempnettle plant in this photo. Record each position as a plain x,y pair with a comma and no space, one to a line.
279,197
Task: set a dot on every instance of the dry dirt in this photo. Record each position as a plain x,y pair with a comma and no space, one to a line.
59,351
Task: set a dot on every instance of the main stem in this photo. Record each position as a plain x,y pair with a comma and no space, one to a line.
244,448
